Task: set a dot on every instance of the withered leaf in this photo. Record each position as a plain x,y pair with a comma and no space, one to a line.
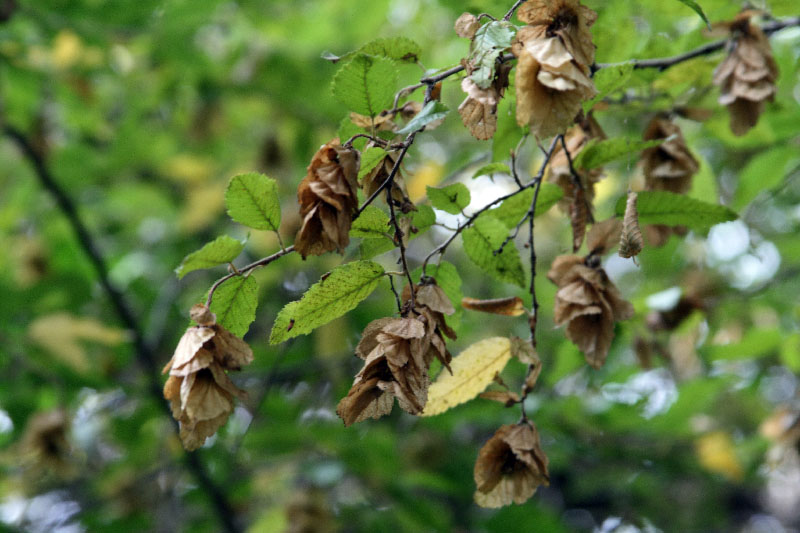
466,25
507,398
509,306
604,236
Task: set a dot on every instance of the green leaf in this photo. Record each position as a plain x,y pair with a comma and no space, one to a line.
370,158
371,223
347,129
511,211
598,153
508,131
490,41
235,303
221,250
764,172
329,298
480,242
366,84
608,80
451,199
397,48
754,343
492,168
670,209
252,200
421,220
433,111
697,9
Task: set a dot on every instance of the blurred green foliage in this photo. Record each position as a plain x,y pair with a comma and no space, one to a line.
143,111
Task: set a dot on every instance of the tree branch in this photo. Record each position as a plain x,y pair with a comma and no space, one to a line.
144,354
664,63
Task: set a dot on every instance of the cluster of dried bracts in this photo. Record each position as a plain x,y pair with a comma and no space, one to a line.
554,56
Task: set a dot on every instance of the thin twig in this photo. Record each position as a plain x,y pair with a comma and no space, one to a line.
663,63
144,353
390,179
264,261
576,178
443,246
398,234
511,11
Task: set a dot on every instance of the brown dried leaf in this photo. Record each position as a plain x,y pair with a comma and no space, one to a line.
631,242
507,398
509,306
479,110
467,25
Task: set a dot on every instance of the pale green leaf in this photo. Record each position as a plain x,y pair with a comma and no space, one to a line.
480,242
451,199
670,209
490,41
492,168
235,303
252,200
366,84
474,369
371,223
397,48
329,298
221,250
433,111
598,153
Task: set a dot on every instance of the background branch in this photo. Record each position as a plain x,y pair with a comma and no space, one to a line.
143,352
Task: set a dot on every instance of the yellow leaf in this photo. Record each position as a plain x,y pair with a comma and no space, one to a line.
473,370
67,49
716,453
63,336
430,173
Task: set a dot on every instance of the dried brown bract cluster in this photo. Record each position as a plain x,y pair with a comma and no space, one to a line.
45,441
198,389
397,354
510,466
479,110
558,169
670,165
555,53
746,77
328,199
378,175
589,303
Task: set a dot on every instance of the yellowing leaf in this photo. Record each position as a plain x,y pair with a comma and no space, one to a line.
64,335
429,173
473,370
716,453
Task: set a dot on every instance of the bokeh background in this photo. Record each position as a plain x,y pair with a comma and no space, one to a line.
142,111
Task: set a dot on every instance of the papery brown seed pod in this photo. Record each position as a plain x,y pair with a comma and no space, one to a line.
630,241
578,216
